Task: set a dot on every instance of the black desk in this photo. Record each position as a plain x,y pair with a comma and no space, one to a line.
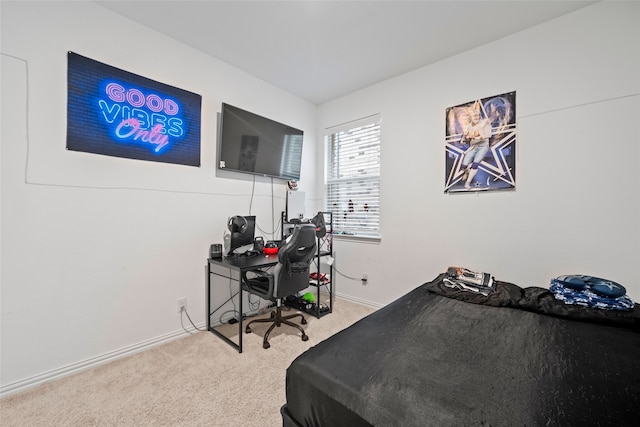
232,269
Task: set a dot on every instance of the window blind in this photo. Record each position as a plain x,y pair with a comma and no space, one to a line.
352,177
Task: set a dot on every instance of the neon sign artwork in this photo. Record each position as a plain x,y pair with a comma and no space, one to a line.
135,117
113,112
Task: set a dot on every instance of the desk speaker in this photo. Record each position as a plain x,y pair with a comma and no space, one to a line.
215,251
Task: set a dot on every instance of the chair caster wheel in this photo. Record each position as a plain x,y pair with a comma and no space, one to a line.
305,338
304,321
247,330
266,345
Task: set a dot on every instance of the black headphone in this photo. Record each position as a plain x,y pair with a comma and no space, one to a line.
237,224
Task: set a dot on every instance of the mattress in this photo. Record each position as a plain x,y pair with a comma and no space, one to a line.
435,357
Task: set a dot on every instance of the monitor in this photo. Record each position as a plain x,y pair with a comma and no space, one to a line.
241,233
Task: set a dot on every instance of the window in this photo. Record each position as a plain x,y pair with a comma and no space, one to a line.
352,177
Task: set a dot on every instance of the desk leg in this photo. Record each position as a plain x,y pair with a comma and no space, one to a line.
208,293
237,346
240,331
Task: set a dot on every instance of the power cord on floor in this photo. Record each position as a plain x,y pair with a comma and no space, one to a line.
257,311
344,275
184,310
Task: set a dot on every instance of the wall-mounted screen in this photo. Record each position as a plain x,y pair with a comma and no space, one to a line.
121,114
254,144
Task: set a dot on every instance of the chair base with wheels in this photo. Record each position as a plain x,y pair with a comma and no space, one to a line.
276,320
290,276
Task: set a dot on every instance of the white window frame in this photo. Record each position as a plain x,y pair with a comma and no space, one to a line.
352,177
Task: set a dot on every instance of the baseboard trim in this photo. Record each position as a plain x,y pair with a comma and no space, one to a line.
56,374
359,301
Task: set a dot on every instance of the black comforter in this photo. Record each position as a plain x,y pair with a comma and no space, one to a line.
436,357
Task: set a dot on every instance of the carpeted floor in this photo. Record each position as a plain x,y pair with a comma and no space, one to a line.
197,380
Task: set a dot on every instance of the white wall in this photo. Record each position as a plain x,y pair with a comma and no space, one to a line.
95,249
577,203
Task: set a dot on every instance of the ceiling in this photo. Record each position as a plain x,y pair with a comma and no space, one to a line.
321,50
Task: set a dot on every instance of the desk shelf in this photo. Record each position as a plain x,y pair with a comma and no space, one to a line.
323,289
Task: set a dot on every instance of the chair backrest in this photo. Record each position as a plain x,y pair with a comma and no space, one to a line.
291,274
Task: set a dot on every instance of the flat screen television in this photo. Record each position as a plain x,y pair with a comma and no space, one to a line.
253,144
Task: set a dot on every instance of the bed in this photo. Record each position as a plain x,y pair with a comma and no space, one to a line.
443,357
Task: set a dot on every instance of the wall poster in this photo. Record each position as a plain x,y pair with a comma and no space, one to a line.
481,145
121,114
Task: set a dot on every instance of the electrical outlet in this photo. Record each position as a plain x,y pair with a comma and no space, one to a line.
182,305
365,278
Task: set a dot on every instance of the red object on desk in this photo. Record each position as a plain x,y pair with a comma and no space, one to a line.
270,251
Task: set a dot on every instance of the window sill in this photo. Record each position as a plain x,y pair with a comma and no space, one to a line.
356,238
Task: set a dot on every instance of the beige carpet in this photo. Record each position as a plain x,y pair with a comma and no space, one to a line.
197,380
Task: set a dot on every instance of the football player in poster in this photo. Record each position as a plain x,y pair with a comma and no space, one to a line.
480,145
